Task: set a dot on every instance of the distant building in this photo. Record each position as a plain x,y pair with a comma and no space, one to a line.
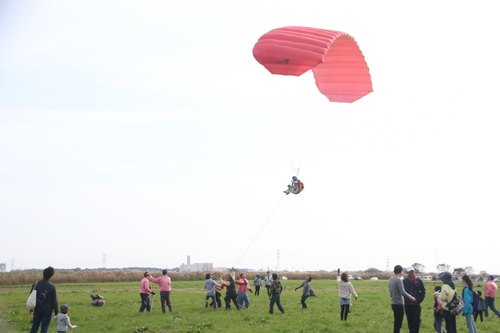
199,267
3,268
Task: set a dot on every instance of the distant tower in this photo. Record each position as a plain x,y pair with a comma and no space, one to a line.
278,262
104,260
11,264
189,260
387,267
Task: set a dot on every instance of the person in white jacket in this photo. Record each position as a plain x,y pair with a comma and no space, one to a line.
62,319
345,291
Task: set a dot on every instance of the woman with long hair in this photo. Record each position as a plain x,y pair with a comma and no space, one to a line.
345,291
468,310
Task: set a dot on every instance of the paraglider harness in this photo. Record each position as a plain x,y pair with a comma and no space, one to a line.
296,187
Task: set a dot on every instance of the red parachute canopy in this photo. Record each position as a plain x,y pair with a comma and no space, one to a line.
339,67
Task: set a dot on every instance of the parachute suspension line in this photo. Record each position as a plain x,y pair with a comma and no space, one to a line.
279,203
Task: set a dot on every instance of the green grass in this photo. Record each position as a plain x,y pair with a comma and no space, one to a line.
372,313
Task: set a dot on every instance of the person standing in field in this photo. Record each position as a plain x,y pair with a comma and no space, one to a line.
242,291
210,287
446,295
217,303
257,283
164,282
268,280
63,321
46,302
144,291
306,285
276,289
468,310
398,294
438,310
231,294
415,287
490,292
345,291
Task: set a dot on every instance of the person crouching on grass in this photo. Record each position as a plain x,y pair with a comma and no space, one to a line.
62,319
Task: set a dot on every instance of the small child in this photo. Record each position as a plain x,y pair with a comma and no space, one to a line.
438,310
478,305
63,320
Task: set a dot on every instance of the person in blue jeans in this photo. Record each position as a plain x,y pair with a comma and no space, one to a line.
46,302
468,310
490,292
276,289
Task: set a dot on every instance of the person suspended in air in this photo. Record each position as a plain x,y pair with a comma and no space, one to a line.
295,187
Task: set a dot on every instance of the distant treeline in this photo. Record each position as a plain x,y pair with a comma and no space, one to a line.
136,274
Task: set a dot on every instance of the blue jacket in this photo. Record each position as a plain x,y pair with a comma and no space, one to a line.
468,297
416,289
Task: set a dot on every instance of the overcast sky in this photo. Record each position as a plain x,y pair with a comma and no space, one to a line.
141,132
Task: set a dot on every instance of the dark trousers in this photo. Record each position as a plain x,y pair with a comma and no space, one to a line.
489,302
399,314
438,322
413,317
450,321
268,291
344,311
145,303
211,303
303,301
216,302
232,297
41,316
257,290
275,298
165,298
478,313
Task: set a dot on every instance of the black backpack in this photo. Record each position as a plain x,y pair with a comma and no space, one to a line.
477,302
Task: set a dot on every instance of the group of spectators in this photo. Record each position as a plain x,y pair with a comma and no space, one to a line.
407,294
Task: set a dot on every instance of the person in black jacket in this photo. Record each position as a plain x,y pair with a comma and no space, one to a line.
46,302
415,287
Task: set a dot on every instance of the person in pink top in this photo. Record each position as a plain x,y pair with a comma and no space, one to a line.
244,286
145,291
164,282
490,292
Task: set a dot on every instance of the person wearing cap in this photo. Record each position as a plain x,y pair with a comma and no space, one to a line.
415,287
231,295
398,294
62,319
490,292
211,287
46,301
218,301
164,282
448,290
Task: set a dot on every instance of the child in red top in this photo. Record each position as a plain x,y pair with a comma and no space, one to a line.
438,310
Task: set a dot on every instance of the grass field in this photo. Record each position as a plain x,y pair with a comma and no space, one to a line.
371,313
